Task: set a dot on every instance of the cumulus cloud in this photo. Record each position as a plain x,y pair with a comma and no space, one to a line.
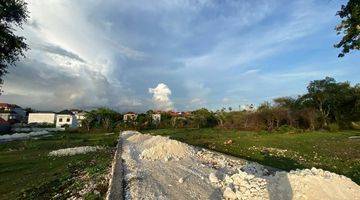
161,97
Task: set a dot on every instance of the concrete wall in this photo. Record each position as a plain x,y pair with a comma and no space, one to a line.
5,116
130,117
64,119
48,118
80,117
156,118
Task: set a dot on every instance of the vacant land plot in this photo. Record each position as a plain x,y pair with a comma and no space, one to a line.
28,172
330,151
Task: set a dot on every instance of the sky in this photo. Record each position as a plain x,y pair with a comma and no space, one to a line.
174,55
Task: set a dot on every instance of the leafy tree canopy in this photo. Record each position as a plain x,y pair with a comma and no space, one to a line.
349,27
12,13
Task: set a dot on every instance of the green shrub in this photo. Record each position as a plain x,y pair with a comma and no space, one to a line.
333,127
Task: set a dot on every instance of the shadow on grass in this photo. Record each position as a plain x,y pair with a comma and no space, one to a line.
283,163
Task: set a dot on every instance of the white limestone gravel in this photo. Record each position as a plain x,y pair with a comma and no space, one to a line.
165,149
160,168
74,151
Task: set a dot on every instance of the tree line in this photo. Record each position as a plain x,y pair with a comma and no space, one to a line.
327,104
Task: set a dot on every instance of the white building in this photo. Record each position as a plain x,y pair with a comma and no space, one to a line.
12,112
156,118
80,116
63,120
130,116
41,118
7,116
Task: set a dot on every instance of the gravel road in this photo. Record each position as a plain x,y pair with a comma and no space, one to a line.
155,167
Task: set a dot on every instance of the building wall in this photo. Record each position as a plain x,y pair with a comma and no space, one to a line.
5,116
13,113
48,118
80,117
156,118
130,117
62,120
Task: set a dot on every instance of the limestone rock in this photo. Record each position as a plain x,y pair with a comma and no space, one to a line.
229,194
213,178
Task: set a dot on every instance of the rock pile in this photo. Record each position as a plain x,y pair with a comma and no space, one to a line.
166,149
251,182
74,151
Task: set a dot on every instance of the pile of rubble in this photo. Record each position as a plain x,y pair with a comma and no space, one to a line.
166,149
254,182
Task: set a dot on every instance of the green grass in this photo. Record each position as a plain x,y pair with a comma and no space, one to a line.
27,172
327,150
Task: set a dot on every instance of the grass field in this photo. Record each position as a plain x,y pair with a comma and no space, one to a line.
330,151
27,172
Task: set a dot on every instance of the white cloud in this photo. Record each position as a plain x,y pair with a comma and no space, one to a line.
71,62
161,97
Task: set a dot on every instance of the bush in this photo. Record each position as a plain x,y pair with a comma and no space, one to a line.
333,127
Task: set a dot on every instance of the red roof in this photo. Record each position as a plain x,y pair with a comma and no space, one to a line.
7,105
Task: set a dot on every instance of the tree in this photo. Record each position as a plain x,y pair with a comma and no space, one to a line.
89,120
349,26
101,118
12,13
320,97
204,118
266,113
335,101
286,102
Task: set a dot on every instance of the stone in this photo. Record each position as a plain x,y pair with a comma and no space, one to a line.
229,194
213,178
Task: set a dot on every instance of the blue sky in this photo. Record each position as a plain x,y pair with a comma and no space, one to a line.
179,54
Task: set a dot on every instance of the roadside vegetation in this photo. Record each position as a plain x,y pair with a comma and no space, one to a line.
327,105
28,172
332,151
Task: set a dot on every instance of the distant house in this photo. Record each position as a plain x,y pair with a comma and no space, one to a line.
130,116
178,114
79,115
156,118
63,120
12,113
248,108
66,118
41,118
10,116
